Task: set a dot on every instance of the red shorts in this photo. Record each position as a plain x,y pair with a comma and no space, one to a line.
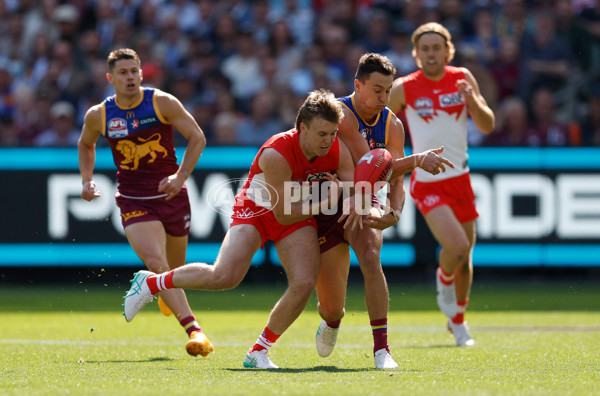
264,221
174,214
455,192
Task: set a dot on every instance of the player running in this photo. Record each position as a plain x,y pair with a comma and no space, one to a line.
435,100
155,211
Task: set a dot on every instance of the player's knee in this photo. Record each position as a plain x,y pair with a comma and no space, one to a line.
303,286
156,264
458,252
331,312
370,264
225,280
369,256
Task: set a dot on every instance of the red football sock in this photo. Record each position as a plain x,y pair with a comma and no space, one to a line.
461,308
160,282
379,328
265,340
447,279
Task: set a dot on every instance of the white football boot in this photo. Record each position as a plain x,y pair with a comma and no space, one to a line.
446,296
461,333
384,361
259,359
137,296
325,339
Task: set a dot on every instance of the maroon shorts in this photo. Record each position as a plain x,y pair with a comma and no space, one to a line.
331,233
264,221
455,192
174,214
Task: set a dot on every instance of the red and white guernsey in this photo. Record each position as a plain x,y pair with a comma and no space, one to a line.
436,115
288,145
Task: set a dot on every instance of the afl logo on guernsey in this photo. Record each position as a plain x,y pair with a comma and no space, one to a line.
424,107
117,128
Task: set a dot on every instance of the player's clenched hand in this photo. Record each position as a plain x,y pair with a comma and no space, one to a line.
355,209
464,88
171,185
431,161
89,191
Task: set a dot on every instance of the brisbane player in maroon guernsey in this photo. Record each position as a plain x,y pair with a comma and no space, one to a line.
139,125
368,124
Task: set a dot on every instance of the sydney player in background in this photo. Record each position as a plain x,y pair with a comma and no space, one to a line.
435,101
139,125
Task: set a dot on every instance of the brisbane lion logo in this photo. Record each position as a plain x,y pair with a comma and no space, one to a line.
134,152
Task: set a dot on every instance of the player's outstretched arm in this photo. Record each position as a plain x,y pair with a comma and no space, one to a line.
430,161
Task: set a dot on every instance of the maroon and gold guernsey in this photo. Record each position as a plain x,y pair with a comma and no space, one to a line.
141,140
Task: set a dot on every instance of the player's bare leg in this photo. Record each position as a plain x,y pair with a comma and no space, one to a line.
162,252
239,246
455,273
331,292
299,254
366,244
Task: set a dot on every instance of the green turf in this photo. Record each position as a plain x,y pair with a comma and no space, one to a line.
531,339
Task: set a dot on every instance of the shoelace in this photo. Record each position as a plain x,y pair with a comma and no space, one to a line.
136,286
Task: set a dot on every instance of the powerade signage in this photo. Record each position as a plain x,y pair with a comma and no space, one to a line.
538,207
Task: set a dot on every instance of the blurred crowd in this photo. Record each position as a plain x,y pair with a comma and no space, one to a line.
243,67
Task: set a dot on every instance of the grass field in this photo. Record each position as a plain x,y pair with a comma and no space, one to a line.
530,340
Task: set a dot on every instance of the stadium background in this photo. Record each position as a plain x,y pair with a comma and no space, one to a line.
242,67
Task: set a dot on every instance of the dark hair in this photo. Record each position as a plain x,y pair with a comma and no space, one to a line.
320,103
374,63
122,53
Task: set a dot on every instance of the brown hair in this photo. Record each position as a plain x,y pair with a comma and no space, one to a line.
432,27
319,103
371,63
122,53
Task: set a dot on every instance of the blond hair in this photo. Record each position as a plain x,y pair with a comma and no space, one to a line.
432,27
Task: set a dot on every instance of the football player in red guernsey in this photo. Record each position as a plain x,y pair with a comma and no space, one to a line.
310,152
367,124
155,211
435,101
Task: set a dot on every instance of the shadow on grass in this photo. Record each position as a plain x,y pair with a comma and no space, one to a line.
326,369
150,360
444,346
